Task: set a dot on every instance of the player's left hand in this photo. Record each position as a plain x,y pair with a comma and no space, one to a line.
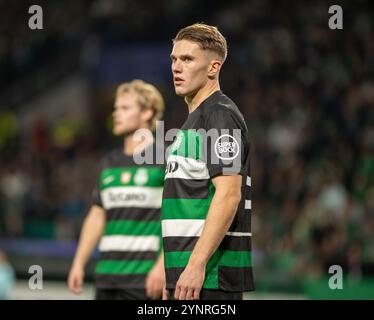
155,282
190,283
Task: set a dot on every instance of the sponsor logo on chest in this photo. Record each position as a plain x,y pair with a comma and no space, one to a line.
125,177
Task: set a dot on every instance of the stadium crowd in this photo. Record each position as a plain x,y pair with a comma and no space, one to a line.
306,92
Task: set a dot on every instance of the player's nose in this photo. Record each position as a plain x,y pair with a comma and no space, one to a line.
176,67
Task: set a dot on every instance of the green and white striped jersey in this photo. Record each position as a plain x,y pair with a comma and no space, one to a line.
131,196
213,141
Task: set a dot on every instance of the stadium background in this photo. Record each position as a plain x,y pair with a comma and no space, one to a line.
306,92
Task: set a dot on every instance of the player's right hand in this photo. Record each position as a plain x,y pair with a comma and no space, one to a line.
75,279
165,294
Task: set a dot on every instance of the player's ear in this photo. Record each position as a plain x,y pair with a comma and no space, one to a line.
147,114
214,68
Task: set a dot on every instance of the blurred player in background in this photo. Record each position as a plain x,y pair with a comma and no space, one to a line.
206,206
125,215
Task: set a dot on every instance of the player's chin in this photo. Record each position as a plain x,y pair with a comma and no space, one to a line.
179,91
117,131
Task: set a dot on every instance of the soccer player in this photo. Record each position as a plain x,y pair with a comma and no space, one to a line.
125,215
206,204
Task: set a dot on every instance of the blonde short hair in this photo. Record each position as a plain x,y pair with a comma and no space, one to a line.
148,97
206,36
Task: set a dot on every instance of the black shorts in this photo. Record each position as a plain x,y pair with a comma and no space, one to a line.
121,294
206,294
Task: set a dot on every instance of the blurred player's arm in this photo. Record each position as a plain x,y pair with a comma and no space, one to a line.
220,216
155,281
91,233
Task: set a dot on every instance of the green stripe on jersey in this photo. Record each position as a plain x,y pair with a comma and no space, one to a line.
222,257
132,176
124,267
185,208
136,228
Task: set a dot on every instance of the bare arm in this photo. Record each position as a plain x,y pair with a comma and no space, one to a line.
219,218
155,281
92,230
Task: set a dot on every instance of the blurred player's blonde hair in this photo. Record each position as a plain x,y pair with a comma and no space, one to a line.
208,38
148,98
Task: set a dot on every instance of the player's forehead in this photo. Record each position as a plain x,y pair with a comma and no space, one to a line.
185,47
128,98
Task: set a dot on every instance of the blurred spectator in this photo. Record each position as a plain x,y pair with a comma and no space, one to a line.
6,277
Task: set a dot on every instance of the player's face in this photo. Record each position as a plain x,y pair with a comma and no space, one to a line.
190,66
126,114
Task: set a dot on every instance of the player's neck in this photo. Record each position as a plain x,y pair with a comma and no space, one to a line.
131,146
194,101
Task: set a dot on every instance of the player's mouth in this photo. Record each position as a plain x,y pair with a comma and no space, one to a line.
178,81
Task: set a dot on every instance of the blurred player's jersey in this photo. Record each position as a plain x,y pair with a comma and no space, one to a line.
131,243
193,160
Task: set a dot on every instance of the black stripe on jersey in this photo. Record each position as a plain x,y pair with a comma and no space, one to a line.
116,158
128,255
175,188
136,214
172,244
241,222
232,243
235,278
229,278
110,281
172,277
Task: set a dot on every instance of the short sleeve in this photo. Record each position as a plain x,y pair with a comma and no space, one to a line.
224,144
96,197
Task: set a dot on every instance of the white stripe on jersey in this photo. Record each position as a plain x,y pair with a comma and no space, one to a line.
249,181
182,227
238,234
129,243
248,204
138,197
186,168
